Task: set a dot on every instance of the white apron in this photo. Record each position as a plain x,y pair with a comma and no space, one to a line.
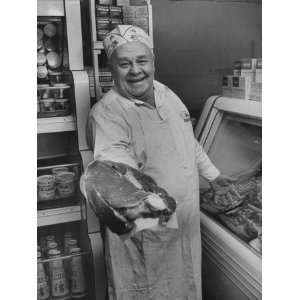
157,264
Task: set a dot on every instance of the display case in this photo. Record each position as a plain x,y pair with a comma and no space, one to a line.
230,131
75,270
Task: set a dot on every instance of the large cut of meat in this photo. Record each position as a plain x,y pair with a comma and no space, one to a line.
120,194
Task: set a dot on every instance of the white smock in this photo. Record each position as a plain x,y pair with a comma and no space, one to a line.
157,263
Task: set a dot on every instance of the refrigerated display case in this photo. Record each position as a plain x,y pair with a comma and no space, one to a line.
230,131
63,103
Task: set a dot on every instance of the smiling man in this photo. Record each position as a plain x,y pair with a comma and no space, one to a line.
142,123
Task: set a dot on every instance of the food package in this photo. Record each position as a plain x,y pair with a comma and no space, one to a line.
120,195
244,221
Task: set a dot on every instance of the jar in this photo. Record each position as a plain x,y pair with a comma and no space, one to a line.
53,60
43,91
57,170
47,105
65,182
50,45
62,104
60,90
46,187
55,76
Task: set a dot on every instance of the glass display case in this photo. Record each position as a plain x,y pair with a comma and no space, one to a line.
68,235
230,132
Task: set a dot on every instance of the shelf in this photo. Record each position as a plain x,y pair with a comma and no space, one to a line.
98,45
58,215
56,124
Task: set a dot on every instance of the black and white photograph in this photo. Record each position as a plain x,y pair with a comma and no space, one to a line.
147,171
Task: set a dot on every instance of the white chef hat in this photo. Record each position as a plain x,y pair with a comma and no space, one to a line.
123,34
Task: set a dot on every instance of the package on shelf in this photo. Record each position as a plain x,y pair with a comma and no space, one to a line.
255,91
241,87
105,2
258,71
227,85
137,16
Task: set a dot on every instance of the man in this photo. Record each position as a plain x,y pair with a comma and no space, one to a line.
142,123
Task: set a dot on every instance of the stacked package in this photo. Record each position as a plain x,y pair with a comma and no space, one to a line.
105,79
246,81
107,18
135,12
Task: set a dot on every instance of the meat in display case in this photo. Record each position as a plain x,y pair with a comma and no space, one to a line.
68,235
230,131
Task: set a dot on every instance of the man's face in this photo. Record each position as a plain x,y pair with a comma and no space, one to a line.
133,70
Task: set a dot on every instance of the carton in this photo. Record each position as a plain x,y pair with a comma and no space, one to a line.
255,91
258,71
227,86
241,87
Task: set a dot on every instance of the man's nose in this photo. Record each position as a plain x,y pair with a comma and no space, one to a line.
135,69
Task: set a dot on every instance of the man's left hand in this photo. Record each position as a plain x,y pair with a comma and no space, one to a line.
222,184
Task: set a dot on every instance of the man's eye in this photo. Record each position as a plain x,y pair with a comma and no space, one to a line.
124,65
143,62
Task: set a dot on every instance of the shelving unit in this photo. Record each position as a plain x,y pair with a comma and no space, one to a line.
56,124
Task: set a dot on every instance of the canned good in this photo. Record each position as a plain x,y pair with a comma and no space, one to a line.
103,23
50,30
102,11
101,34
65,183
46,187
115,22
47,105
116,12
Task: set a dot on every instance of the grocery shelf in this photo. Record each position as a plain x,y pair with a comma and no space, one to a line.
59,215
56,124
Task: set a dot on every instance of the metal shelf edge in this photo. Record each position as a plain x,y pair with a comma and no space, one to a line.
56,124
58,215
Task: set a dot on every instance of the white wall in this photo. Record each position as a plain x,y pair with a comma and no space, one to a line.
196,42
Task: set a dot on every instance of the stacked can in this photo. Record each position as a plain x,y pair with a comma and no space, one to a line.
107,18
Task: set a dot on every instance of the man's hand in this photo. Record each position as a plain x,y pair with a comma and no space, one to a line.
222,184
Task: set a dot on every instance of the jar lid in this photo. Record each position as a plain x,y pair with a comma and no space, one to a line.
72,242
52,245
50,237
75,250
54,252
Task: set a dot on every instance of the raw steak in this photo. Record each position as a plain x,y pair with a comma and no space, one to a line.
120,194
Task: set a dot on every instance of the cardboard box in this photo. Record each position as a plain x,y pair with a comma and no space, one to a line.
258,71
241,87
255,91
